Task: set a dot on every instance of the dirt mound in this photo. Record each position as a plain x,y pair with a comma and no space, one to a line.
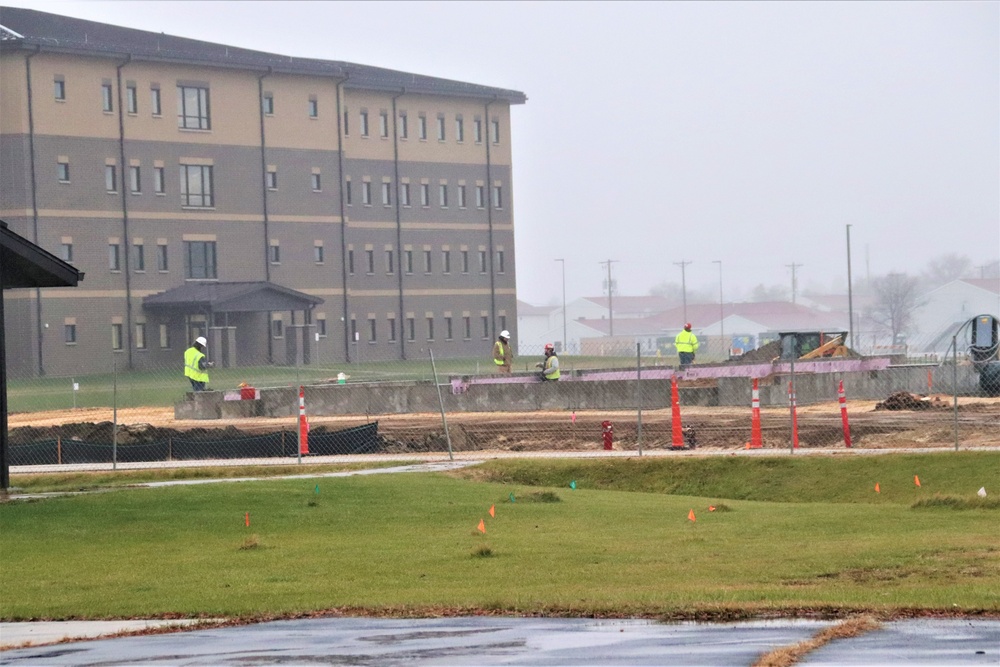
904,400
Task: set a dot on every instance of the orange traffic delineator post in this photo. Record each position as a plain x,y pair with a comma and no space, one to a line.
247,518
795,417
675,415
756,441
843,414
303,423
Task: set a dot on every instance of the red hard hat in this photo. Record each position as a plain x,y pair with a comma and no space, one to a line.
687,326
550,346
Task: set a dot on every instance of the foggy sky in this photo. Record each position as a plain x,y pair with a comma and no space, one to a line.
750,133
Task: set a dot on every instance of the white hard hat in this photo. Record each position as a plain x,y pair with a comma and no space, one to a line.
505,334
201,340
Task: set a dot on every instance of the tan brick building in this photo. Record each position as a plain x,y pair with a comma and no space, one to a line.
291,210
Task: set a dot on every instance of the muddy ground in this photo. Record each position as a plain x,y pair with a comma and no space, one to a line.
925,423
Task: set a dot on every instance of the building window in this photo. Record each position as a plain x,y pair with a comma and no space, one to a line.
447,328
383,125
477,130
430,328
446,261
140,336
350,262
425,195
164,337
441,134
272,180
366,193
66,252
387,194
364,123
443,195
162,265
114,257
116,337
139,257
427,261
422,127
267,104
390,265
62,170
110,178
131,99
277,328
411,329
69,334
500,264
313,108
199,260
408,255
461,196
404,194
134,180
370,260
274,253
495,127
482,261
321,327
159,181
459,130
348,192
107,102
372,330
465,261
154,102
467,328
392,329
192,108
196,186
486,327
497,196
60,89
354,330
318,255
480,196
316,183
404,128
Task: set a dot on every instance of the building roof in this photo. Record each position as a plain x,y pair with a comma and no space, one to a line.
988,284
244,297
23,264
525,309
28,28
648,305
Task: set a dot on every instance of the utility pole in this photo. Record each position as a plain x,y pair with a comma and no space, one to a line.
850,294
611,311
565,342
793,266
684,293
722,317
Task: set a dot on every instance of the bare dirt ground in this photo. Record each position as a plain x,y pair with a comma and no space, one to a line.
819,425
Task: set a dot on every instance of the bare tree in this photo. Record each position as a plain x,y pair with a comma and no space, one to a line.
772,293
896,297
946,268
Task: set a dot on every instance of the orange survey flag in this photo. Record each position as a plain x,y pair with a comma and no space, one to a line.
691,516
877,490
493,510
482,527
711,508
916,480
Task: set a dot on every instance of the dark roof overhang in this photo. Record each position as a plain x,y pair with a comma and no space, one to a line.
23,264
236,297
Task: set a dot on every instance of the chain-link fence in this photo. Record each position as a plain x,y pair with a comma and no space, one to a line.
617,396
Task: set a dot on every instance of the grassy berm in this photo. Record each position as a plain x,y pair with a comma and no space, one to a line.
790,536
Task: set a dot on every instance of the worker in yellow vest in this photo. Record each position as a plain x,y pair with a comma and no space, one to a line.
550,367
195,364
503,356
686,344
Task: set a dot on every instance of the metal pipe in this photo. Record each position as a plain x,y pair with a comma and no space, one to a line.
264,202
343,220
34,203
444,419
399,220
125,226
850,294
489,219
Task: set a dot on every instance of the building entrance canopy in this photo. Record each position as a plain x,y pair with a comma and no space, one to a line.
244,297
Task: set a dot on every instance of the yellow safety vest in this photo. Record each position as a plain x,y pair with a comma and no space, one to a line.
499,356
192,357
686,342
548,365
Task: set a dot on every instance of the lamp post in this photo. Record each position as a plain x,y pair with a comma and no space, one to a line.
684,292
722,327
563,262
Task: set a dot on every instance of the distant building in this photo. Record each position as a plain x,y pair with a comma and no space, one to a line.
943,310
293,211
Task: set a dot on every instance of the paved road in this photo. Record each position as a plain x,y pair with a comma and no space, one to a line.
532,641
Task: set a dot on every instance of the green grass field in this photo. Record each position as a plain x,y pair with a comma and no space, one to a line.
807,535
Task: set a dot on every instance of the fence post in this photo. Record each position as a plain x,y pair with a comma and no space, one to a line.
114,422
638,393
954,376
444,419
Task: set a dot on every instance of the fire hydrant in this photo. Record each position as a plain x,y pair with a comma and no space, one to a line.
609,434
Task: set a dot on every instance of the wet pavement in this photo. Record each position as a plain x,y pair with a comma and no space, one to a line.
525,641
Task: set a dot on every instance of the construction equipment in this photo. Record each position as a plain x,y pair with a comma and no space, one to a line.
984,351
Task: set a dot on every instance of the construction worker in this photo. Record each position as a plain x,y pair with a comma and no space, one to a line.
195,364
503,356
550,367
686,344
